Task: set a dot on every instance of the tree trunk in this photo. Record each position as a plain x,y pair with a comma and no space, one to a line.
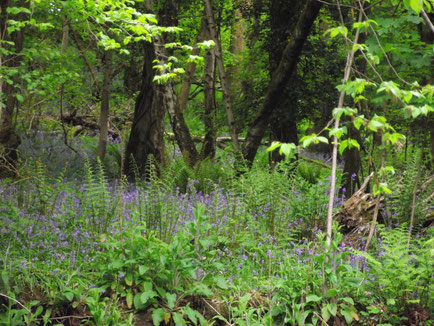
352,162
190,70
237,48
280,78
167,93
147,130
105,105
9,139
209,143
168,16
132,74
211,25
283,19
432,140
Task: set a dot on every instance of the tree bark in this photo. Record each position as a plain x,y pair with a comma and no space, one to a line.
280,78
168,16
105,105
147,130
283,19
189,73
236,48
352,163
169,102
9,139
209,143
211,25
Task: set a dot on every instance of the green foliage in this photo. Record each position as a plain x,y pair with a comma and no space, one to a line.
325,286
148,272
309,171
203,177
403,185
401,290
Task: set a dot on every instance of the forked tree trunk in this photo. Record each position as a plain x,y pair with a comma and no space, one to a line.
280,78
223,80
9,139
167,94
105,106
147,131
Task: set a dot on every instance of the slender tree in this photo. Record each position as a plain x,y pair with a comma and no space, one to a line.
105,104
208,148
9,139
280,78
211,25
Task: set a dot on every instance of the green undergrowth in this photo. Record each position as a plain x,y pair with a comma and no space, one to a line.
249,253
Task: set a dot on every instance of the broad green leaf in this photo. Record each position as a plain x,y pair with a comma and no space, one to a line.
313,298
347,315
325,313
416,5
129,279
342,146
178,319
143,269
19,97
191,314
146,296
391,302
374,125
138,302
130,299
354,143
358,122
38,310
69,295
331,293
348,300
171,300
158,316
323,139
288,150
332,308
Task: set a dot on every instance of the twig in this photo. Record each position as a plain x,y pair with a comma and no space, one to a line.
216,311
325,323
430,197
413,201
381,47
10,298
374,221
428,21
66,317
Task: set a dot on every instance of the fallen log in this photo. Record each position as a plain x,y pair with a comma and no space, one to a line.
85,122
